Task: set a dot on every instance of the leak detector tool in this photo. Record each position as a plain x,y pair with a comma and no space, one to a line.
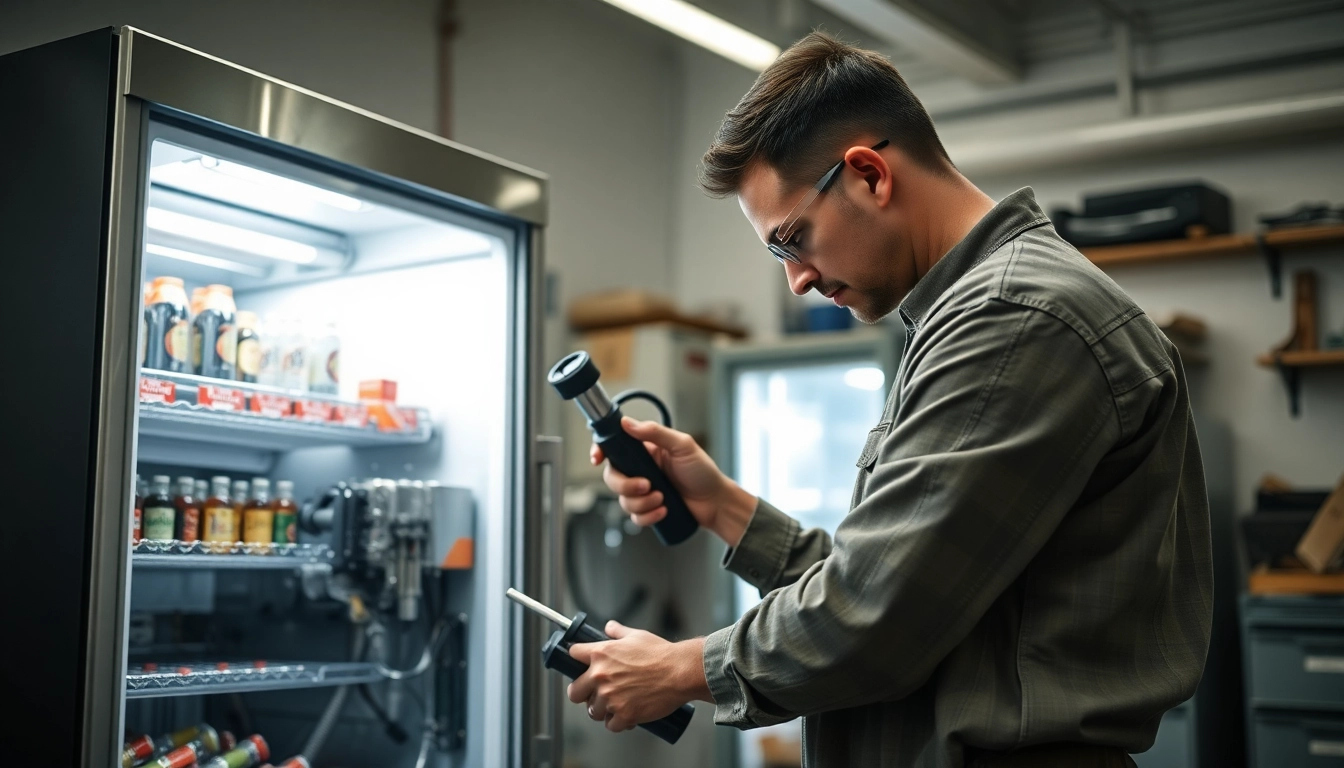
555,655
575,378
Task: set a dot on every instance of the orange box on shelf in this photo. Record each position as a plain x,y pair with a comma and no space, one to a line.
221,398
378,389
351,415
157,390
386,416
312,410
270,405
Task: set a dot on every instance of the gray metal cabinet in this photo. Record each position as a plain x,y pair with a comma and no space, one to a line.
1294,657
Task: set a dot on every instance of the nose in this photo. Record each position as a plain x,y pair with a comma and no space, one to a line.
800,277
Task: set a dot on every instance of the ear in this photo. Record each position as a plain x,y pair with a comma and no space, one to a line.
877,174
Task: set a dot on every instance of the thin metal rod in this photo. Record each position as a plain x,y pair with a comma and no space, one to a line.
533,605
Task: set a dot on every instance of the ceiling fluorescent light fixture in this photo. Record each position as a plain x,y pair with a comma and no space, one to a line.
281,184
205,261
705,30
206,231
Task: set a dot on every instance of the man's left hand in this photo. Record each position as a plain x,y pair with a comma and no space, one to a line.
637,676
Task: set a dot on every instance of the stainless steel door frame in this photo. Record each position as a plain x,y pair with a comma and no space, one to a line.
174,76
114,468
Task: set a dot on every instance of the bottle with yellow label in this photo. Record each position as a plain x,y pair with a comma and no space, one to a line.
259,514
220,528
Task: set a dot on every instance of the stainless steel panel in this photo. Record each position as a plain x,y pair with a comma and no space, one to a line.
114,467
175,76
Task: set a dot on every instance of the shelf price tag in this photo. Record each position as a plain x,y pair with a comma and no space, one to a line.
221,398
274,406
312,410
157,390
351,415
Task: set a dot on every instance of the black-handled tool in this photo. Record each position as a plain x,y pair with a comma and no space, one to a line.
575,377
555,655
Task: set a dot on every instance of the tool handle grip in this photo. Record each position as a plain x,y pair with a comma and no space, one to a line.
556,656
633,460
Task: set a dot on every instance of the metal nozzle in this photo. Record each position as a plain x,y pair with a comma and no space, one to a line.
535,607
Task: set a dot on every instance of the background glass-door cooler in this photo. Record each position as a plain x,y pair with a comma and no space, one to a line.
790,420
331,247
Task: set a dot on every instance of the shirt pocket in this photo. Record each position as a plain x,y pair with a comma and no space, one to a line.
870,446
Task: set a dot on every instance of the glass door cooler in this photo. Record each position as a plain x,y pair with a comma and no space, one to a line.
271,423
790,419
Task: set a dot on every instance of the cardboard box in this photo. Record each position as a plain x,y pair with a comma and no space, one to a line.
1323,544
378,389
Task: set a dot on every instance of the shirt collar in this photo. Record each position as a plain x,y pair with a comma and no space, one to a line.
1014,215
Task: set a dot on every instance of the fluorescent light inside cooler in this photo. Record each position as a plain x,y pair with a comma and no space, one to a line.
206,231
281,184
705,30
205,261
870,379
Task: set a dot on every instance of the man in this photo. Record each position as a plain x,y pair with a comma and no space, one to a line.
1024,577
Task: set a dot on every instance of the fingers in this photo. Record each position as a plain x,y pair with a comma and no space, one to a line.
616,630
595,455
653,432
582,652
581,689
642,505
624,485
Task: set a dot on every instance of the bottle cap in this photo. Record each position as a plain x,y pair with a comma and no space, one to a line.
263,751
224,289
284,487
261,484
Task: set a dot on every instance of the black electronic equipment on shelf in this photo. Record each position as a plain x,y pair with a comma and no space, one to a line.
1155,213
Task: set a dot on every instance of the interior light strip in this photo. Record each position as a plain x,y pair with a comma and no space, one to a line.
228,236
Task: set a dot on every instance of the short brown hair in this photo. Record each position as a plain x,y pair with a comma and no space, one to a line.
816,96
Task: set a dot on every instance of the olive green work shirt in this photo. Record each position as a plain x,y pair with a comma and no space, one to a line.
1026,559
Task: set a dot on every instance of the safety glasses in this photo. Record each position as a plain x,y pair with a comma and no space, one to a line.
779,242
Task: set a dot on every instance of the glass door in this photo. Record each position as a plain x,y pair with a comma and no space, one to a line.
798,413
322,532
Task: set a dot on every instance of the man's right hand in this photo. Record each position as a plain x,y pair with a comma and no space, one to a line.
716,502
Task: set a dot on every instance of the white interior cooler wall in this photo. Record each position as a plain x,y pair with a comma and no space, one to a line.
441,331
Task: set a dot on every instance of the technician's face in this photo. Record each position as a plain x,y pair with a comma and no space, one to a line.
843,241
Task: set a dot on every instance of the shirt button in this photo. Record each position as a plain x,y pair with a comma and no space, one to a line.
754,573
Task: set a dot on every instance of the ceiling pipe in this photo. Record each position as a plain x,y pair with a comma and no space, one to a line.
1146,135
447,30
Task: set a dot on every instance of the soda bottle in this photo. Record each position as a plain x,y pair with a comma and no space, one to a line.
293,347
167,326
202,732
240,497
286,513
249,752
188,510
324,358
249,347
269,374
259,515
220,525
160,515
214,339
137,515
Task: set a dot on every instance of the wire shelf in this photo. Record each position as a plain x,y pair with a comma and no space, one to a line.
200,679
154,553
184,420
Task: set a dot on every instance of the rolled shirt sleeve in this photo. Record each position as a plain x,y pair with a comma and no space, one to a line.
1004,416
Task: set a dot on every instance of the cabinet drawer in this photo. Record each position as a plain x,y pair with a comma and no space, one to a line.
1297,668
1305,742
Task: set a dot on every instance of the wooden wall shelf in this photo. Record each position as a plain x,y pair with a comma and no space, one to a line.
1302,359
1217,246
